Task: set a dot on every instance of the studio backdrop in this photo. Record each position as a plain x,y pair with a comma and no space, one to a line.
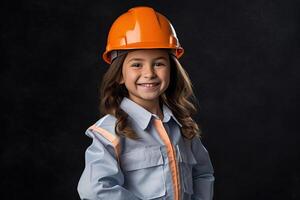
243,58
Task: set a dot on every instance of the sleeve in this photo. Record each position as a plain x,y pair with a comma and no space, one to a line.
203,178
102,177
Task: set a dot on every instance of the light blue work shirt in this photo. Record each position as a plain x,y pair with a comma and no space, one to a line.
143,170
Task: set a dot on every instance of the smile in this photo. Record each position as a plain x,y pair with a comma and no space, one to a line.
149,85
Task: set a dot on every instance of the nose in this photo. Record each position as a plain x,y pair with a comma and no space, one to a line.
149,72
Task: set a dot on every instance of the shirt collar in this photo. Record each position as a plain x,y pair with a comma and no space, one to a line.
142,116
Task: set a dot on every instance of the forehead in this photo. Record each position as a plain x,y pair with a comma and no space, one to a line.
147,54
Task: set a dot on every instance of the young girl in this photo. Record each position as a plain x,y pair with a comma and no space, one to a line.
146,145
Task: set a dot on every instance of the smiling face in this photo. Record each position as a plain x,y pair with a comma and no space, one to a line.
146,75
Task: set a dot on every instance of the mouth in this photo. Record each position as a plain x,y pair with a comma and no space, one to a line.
148,85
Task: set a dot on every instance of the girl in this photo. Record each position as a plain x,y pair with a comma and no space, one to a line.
146,145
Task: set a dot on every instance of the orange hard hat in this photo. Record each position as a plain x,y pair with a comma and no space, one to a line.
141,28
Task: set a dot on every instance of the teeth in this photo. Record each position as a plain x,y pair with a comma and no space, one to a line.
149,85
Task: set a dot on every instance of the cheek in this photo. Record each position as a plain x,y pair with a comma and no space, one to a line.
130,77
165,75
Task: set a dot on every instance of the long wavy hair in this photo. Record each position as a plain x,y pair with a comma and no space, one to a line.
179,97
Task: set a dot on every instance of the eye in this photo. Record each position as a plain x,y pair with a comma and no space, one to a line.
157,64
136,65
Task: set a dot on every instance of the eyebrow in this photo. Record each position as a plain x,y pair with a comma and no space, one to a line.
141,59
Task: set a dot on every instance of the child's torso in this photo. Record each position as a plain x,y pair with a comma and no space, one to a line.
157,164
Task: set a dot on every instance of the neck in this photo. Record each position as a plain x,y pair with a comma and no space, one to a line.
151,105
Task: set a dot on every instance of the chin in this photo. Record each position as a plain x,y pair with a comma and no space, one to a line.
150,98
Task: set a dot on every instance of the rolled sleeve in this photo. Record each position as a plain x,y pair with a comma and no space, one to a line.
102,177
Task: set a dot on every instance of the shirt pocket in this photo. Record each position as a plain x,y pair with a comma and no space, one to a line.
186,161
143,172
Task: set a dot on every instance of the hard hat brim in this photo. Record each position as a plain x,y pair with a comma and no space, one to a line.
178,50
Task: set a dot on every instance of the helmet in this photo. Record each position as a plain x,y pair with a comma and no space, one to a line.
141,28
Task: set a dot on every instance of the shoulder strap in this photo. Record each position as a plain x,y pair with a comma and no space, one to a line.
110,137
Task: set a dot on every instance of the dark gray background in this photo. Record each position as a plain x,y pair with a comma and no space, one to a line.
242,56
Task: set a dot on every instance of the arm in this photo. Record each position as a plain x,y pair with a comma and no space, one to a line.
203,179
102,177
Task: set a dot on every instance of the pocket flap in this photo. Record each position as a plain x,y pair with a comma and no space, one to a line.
141,158
186,155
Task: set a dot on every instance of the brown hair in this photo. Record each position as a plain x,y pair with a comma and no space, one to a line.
179,97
